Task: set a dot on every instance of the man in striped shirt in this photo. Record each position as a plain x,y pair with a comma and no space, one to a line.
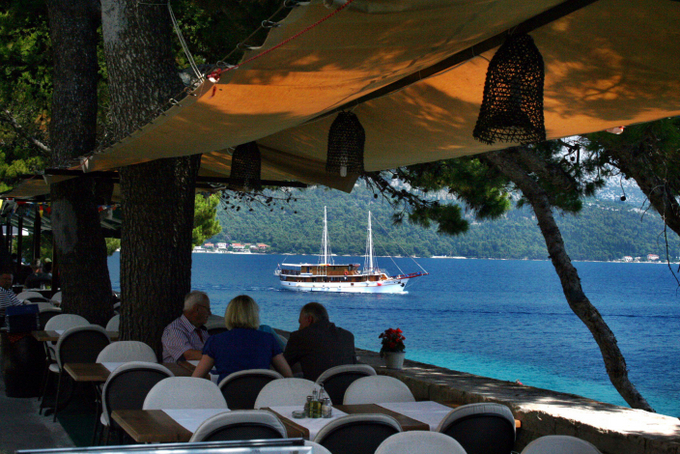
7,296
183,339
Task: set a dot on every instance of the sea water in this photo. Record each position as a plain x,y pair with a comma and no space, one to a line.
506,319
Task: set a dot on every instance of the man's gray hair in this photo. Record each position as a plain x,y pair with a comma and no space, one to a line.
194,297
316,310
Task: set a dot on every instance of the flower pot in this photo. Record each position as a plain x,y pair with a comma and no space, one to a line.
394,360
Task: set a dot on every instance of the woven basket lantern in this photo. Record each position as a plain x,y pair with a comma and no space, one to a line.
246,167
346,145
512,109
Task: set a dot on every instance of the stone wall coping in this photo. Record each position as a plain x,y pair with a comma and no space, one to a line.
613,429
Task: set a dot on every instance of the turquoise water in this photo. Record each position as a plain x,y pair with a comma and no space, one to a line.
505,319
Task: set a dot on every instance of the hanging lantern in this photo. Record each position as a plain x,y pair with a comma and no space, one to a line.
246,166
346,145
512,109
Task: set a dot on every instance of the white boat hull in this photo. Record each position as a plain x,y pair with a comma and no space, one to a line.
389,286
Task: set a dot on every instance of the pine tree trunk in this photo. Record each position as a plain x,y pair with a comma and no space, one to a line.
615,363
158,203
79,239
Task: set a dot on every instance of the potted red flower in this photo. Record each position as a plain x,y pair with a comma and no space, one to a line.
392,348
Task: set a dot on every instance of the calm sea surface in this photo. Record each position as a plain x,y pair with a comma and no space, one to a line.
505,319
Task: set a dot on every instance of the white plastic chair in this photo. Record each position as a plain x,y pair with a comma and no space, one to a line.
358,433
377,389
23,295
560,444
62,322
65,321
317,448
337,379
57,297
240,425
421,442
241,388
114,323
124,351
127,387
184,392
481,427
285,391
80,344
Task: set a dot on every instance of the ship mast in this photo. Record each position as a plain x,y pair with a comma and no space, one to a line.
324,241
368,260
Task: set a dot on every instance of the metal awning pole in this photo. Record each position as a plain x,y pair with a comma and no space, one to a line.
37,231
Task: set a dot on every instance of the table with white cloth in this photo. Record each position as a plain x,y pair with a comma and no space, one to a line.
99,372
53,335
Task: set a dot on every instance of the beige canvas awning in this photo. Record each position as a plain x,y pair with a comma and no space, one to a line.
416,69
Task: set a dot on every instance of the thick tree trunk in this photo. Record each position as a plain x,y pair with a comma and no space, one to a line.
158,203
79,240
615,363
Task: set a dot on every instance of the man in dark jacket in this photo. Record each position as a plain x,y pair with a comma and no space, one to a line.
318,344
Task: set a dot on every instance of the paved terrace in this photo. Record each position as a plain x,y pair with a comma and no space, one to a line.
613,429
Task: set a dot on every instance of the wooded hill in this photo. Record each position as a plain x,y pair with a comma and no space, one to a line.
604,230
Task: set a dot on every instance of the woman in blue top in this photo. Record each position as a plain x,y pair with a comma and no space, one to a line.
243,346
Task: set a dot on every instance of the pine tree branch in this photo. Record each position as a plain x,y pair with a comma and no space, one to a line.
7,118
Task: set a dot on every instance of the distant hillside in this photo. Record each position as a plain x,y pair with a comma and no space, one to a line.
606,229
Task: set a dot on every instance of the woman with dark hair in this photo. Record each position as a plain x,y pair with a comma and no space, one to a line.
243,346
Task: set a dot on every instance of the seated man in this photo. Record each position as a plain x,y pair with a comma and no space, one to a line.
37,279
7,296
318,344
183,339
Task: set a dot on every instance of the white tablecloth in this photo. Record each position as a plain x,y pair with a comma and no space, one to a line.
190,419
431,413
111,366
314,425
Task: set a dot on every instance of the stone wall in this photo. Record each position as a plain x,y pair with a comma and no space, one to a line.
613,429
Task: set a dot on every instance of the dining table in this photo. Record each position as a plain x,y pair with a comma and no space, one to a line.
164,426
99,372
53,335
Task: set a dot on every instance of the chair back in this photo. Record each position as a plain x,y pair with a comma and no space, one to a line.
560,444
81,344
184,392
482,428
39,300
124,351
127,386
240,425
65,321
376,389
285,391
46,314
358,433
23,295
337,379
421,442
57,297
114,323
317,448
241,388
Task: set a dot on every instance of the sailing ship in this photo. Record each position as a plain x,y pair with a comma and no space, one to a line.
327,276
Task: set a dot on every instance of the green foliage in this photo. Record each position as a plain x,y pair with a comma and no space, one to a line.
112,245
27,247
600,231
206,224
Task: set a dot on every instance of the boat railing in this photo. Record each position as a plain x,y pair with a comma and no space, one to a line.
410,275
